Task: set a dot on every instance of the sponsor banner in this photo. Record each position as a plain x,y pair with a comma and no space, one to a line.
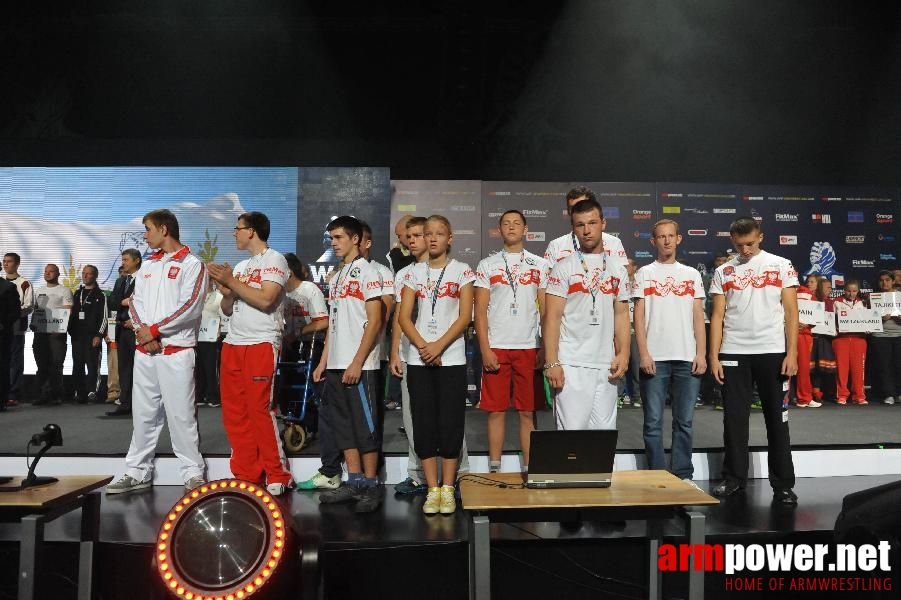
855,239
885,219
50,320
855,216
886,303
788,240
544,206
860,320
459,201
672,210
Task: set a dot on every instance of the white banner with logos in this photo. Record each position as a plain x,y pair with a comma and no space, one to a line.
886,303
859,320
50,320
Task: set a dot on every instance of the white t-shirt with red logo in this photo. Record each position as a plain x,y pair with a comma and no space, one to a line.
755,320
386,276
512,310
399,277
349,290
303,305
565,246
248,325
586,340
669,292
444,289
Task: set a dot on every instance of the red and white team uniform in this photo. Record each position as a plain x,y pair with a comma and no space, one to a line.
567,245
591,286
803,384
669,292
303,305
168,298
433,322
754,322
246,373
850,356
350,289
512,281
386,276
399,279
352,409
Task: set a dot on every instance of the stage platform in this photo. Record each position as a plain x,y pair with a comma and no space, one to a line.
828,441
397,551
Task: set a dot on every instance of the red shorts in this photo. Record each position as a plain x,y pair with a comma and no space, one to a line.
517,371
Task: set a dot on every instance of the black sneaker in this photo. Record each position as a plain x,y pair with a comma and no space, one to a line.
410,487
369,499
726,488
787,497
344,493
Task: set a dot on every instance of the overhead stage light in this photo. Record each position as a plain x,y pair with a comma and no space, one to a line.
228,540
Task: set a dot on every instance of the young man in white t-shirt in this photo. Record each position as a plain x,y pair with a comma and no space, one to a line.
669,333
348,367
567,244
509,296
754,342
50,347
252,297
586,327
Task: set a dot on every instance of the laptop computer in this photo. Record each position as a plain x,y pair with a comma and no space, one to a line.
571,459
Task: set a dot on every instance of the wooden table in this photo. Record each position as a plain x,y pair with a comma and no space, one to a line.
653,496
36,506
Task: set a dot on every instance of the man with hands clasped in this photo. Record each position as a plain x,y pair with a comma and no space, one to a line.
586,327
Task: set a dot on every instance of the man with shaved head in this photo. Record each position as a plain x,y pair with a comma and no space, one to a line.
399,256
49,343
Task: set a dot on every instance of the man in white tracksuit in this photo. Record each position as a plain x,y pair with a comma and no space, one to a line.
166,311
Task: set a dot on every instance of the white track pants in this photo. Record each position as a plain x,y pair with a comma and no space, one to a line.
587,400
163,389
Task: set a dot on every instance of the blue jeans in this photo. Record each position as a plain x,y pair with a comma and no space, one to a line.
654,388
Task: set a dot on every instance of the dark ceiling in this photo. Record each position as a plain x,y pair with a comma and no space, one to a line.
739,91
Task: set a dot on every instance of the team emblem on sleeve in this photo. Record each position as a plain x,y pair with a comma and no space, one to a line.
173,272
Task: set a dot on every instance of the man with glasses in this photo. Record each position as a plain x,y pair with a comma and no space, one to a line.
252,296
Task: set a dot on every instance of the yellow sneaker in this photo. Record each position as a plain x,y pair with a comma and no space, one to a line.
448,502
432,501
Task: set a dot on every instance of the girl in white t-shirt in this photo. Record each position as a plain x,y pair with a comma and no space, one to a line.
442,291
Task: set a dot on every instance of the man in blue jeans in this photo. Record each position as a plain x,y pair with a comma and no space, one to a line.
669,332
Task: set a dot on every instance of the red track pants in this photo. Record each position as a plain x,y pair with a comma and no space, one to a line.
246,375
850,356
803,386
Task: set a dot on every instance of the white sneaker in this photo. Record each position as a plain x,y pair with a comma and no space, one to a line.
889,400
127,484
194,482
277,489
811,404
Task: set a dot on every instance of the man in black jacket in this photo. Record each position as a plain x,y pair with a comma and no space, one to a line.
10,309
119,301
87,327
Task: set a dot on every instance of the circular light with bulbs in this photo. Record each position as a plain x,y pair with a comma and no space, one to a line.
222,541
